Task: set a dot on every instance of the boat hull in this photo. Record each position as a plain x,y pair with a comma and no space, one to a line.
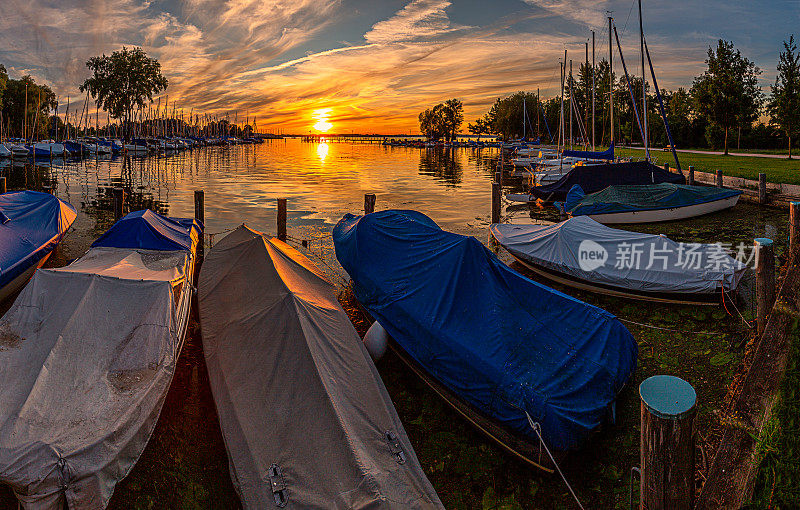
670,214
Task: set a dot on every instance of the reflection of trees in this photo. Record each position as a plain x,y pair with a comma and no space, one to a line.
485,159
441,163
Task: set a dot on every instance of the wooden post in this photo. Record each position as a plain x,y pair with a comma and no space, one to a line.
691,176
666,167
498,178
765,280
496,191
369,203
119,202
762,188
794,225
719,178
667,443
200,215
282,219
3,185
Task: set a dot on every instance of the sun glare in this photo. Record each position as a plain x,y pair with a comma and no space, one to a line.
322,151
321,116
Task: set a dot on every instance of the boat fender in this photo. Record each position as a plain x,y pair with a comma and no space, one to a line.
376,340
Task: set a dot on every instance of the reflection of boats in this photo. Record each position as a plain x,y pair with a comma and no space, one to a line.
587,255
648,203
32,225
495,340
271,321
88,353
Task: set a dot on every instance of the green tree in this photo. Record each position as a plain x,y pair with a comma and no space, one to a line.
40,100
784,101
123,81
453,117
728,92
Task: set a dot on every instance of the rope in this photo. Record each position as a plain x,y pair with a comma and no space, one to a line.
669,329
733,302
537,428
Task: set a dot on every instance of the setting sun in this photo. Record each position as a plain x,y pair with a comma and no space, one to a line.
321,116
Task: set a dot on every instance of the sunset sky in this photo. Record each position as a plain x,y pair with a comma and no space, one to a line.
370,66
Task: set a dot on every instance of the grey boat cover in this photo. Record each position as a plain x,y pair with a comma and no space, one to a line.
87,353
300,402
676,267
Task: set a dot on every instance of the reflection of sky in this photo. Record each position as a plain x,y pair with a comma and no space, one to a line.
375,64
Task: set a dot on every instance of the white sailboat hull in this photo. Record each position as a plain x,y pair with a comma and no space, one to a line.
675,213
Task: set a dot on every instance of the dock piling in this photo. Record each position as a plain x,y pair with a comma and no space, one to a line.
765,280
200,215
369,203
496,192
762,188
666,167
119,202
794,224
719,178
282,219
3,185
691,175
667,443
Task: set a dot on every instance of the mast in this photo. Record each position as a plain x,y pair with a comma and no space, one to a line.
611,78
586,89
538,108
562,138
644,86
524,116
593,88
571,103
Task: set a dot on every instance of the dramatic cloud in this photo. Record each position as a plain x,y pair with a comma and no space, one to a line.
284,60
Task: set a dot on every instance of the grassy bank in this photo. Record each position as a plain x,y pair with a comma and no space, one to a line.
777,170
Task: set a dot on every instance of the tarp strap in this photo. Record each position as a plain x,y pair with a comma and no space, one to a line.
395,447
278,485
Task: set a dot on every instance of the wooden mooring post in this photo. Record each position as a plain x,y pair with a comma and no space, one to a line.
369,203
666,167
667,443
3,188
719,178
762,188
765,280
282,219
794,225
691,176
200,215
119,202
496,192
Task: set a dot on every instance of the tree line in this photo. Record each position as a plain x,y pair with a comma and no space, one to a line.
443,121
723,108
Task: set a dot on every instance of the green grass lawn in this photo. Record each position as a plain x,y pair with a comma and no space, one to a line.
777,170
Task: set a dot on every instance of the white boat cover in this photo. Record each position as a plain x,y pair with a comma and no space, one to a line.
676,267
91,350
303,411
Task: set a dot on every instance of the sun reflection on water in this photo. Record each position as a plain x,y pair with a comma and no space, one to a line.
322,151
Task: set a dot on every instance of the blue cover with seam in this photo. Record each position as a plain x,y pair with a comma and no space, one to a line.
31,225
502,342
146,230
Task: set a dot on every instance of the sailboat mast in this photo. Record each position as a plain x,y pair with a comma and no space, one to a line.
586,90
561,142
524,116
611,79
593,88
571,103
644,86
538,110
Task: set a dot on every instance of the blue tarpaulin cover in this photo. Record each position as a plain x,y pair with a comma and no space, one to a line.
505,344
606,154
32,224
147,230
616,199
597,177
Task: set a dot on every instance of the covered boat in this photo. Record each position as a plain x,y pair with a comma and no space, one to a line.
648,203
87,353
598,177
31,226
585,254
607,155
501,344
306,419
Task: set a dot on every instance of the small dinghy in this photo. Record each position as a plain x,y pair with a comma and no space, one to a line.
87,353
497,346
306,419
587,255
31,226
648,203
